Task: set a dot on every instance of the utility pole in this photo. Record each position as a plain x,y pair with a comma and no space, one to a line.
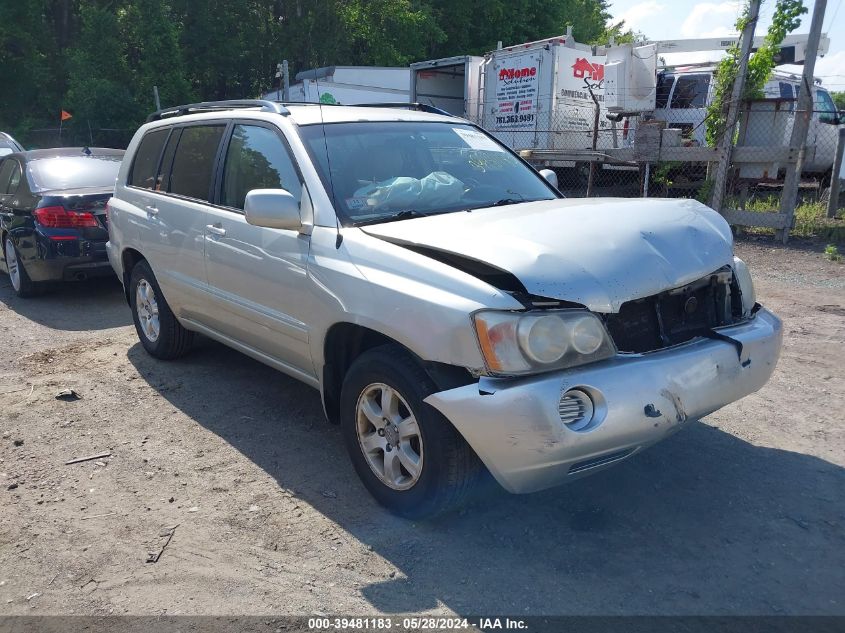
746,39
156,100
283,73
835,175
803,115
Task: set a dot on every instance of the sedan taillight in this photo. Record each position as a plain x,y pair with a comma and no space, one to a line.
61,218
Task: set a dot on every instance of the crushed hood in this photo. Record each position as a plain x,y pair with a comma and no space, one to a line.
596,252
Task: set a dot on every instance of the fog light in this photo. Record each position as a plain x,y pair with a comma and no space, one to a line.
576,409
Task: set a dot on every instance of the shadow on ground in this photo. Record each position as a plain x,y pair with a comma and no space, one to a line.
96,304
704,523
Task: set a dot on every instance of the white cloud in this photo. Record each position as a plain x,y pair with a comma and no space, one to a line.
831,68
641,15
711,19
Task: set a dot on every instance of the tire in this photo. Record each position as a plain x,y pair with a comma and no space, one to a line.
160,332
448,469
23,286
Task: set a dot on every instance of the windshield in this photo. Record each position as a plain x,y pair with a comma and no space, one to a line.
378,171
71,172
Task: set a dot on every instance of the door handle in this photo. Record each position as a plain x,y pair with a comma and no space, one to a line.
215,229
151,210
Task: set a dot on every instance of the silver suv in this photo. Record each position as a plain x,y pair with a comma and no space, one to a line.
455,312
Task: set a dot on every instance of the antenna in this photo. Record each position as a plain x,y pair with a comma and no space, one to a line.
339,239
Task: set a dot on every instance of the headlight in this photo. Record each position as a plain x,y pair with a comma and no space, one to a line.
528,342
746,286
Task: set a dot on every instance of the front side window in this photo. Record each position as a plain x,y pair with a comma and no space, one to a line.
825,107
256,159
193,163
145,166
377,171
664,87
786,93
691,91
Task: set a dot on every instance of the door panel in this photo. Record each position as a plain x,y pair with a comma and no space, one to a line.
170,196
257,275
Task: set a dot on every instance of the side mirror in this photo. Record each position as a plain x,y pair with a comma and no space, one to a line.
273,209
550,176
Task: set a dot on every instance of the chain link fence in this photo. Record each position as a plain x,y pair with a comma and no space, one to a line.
666,154
77,135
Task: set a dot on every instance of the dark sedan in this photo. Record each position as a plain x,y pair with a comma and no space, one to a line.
53,223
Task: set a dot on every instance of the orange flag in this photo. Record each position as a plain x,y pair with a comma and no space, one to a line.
66,115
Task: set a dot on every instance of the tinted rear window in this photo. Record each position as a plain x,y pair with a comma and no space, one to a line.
145,166
70,172
193,164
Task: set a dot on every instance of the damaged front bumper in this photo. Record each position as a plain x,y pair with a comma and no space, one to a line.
516,426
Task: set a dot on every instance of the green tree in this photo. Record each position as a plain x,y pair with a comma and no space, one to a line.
512,22
100,87
839,100
153,56
29,67
786,18
99,59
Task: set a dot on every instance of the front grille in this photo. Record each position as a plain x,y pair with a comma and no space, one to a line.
677,316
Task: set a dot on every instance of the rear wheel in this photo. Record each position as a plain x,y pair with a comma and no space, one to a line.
160,332
21,283
410,457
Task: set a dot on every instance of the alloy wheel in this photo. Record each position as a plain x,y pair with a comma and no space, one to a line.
389,436
147,308
12,265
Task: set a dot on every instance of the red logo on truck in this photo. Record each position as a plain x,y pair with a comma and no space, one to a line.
516,73
584,68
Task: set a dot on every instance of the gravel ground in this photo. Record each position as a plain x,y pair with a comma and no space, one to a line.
743,513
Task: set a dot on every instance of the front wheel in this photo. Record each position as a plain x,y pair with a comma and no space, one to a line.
160,332
410,458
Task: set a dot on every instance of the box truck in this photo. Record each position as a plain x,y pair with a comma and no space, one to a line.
539,95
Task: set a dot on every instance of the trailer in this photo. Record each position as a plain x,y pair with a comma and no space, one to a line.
452,84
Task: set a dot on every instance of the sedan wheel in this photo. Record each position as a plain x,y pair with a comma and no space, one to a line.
389,436
12,265
21,283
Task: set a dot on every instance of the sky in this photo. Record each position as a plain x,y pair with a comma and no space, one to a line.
680,19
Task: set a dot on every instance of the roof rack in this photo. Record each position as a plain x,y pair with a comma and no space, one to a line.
212,106
411,106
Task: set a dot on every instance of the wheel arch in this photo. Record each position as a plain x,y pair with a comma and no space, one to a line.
345,342
128,259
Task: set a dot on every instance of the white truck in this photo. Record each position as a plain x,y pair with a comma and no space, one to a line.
348,85
683,94
542,94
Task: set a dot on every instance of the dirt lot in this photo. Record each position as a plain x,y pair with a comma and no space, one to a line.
741,514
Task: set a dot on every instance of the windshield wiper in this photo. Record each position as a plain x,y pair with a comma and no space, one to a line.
402,215
505,201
